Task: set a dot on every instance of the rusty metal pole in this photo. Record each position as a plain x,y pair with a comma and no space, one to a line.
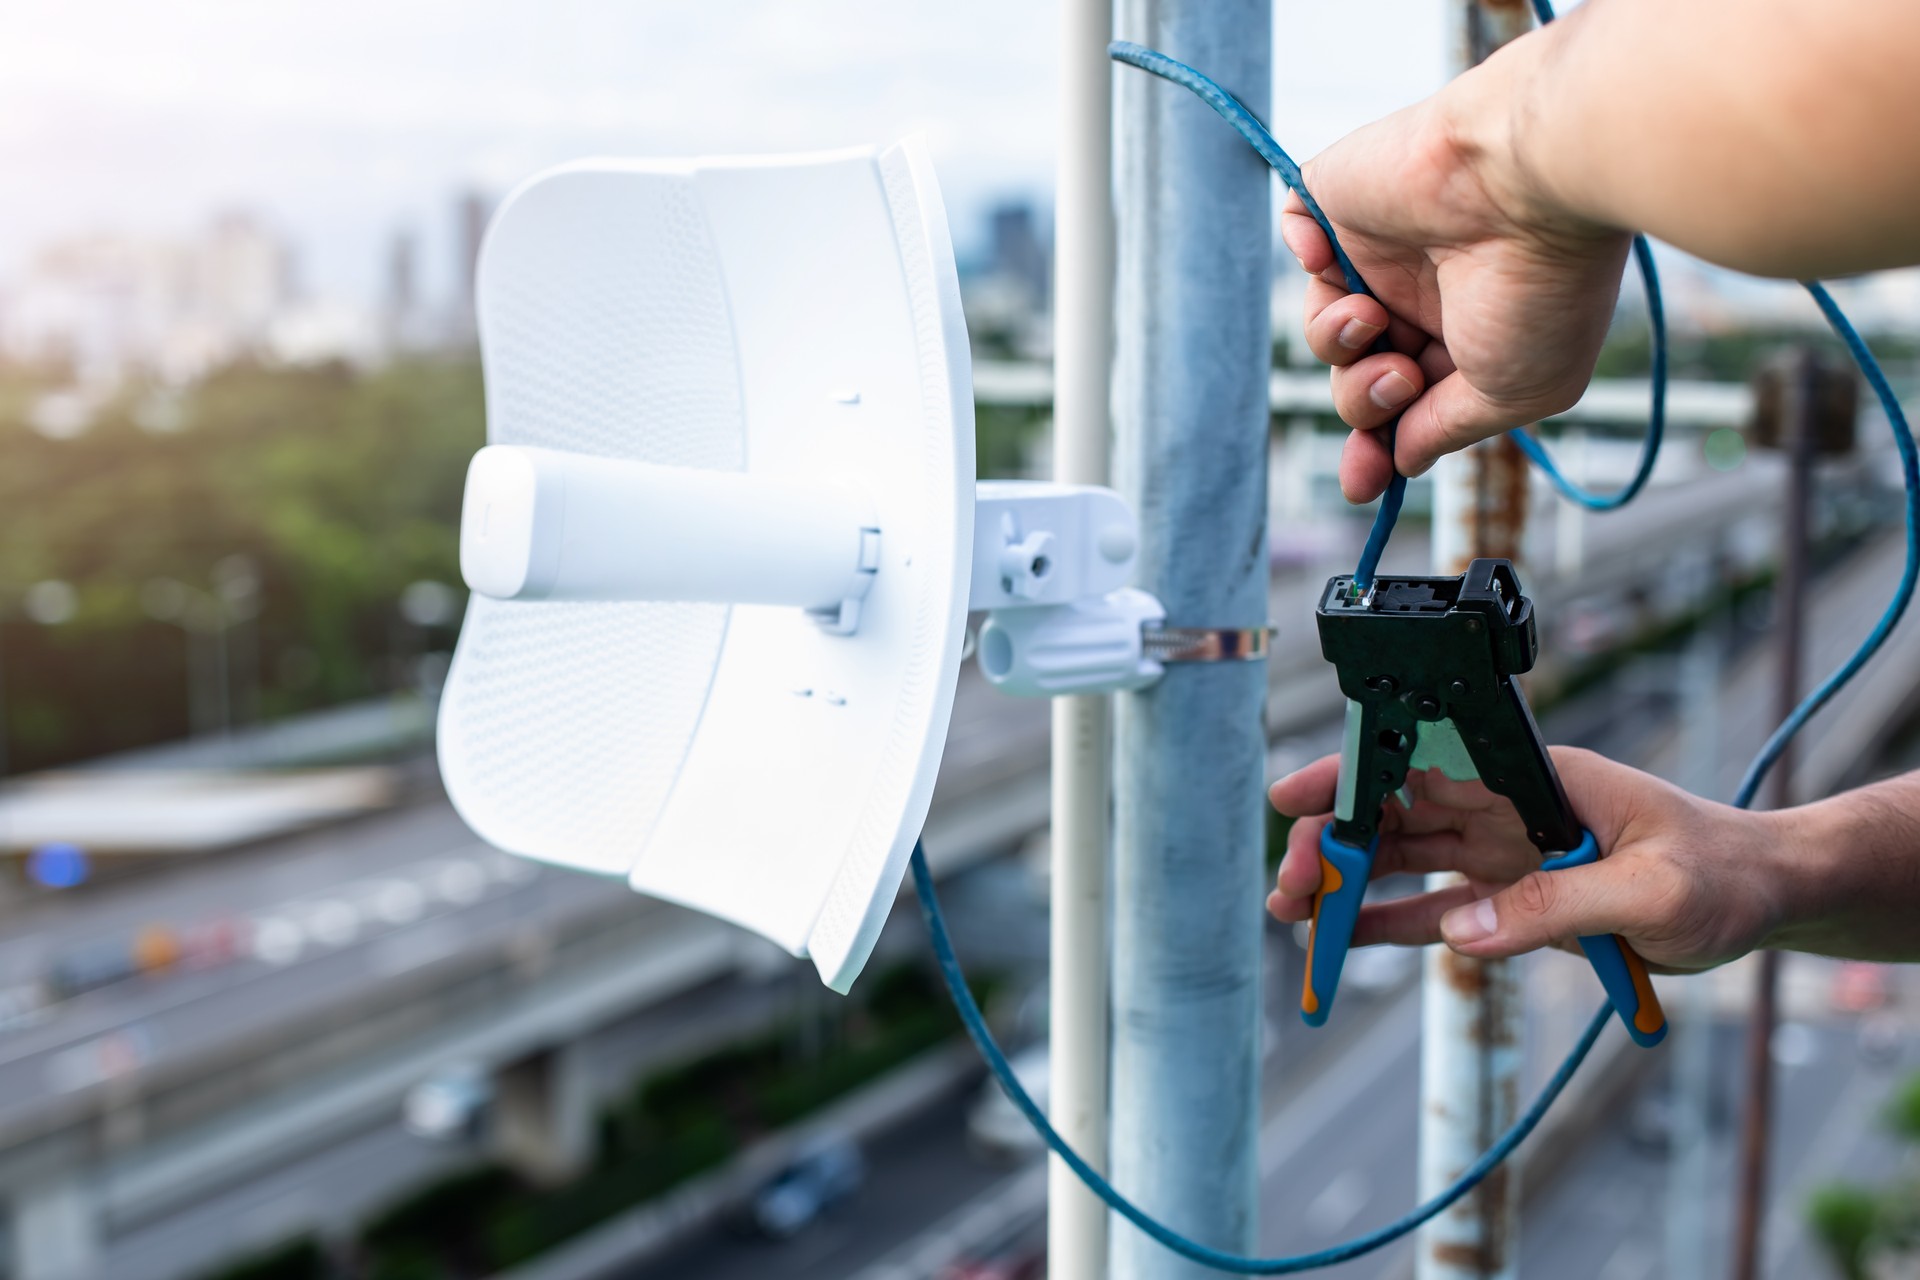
1471,1010
1796,406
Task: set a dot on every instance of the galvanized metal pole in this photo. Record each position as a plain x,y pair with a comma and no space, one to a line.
1195,262
1082,726
1472,1010
1797,433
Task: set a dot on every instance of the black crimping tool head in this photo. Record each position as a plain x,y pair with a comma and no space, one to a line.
1428,666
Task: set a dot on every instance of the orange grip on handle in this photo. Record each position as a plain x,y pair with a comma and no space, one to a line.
1344,872
1621,972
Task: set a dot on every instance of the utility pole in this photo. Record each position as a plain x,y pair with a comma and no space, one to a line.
1794,402
1471,1011
1082,726
1194,270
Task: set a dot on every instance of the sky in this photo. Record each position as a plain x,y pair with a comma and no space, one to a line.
341,121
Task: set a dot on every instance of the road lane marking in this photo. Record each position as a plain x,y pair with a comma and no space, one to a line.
980,1222
1339,1202
1394,1035
76,1032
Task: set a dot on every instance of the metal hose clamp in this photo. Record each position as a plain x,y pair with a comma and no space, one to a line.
1206,644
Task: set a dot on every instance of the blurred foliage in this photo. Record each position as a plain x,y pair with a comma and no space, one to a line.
301,1259
675,1124
1555,686
1858,1225
340,487
1005,437
1730,356
1903,1111
1279,827
1842,1217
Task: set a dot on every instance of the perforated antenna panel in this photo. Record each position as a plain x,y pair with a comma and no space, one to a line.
795,317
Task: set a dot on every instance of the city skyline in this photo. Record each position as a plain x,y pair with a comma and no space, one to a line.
362,157
349,123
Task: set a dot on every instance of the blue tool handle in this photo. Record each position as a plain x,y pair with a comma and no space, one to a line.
1622,972
1344,872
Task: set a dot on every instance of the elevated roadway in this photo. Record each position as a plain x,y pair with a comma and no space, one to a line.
391,946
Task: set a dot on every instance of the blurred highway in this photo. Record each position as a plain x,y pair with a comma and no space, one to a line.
1609,1215
1335,1162
328,953
1343,1113
322,917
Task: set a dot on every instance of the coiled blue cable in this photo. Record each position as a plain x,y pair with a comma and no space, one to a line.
1656,413
1248,126
1509,1141
1255,133
1902,594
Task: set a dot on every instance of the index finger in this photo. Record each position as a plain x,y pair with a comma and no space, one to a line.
1308,790
1304,237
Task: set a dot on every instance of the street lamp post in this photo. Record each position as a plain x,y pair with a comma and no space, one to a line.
206,617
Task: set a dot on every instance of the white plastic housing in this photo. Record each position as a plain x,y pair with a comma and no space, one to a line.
1038,543
1094,645
791,323
544,524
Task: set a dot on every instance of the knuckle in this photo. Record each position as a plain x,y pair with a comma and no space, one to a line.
1678,906
1536,894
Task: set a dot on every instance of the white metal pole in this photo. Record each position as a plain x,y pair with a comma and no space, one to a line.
1472,1013
1082,726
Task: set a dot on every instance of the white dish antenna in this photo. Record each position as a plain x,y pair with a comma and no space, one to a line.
722,539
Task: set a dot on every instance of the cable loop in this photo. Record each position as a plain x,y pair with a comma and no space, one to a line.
1256,134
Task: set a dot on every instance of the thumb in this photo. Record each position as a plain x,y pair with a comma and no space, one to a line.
1542,909
1450,415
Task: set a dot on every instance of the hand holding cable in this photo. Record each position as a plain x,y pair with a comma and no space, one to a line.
1256,134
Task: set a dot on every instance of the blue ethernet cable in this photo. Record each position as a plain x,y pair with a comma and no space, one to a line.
1256,134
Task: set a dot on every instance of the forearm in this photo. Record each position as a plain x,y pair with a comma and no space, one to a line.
1849,874
1773,136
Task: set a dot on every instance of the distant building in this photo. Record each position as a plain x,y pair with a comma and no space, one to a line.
404,321
175,309
1019,253
244,276
1008,294
402,290
471,212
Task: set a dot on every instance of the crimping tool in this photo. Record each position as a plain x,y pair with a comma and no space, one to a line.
1428,667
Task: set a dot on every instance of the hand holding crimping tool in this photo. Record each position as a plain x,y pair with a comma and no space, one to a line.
1428,667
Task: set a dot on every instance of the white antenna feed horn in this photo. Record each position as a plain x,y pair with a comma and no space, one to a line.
545,524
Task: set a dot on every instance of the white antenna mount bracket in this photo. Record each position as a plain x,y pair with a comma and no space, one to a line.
1050,566
1050,561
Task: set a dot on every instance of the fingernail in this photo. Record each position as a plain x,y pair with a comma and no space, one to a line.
1355,334
1390,390
1468,924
